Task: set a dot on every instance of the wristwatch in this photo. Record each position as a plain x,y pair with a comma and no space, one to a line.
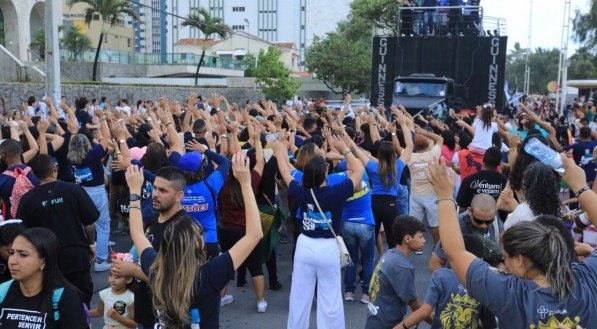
134,197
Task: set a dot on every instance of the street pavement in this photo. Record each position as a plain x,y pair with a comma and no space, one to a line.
242,313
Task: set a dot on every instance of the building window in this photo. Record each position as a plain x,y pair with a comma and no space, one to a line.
238,27
128,43
238,9
303,8
302,27
96,17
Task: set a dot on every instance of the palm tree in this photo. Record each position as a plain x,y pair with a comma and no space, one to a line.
110,12
208,25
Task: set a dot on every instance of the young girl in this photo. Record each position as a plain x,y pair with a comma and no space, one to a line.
116,304
483,128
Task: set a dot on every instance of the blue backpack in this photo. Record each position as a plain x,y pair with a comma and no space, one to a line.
55,297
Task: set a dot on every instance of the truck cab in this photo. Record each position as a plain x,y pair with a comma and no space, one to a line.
424,93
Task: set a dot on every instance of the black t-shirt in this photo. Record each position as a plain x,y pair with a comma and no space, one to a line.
267,185
143,305
83,118
211,278
18,311
65,209
485,181
65,170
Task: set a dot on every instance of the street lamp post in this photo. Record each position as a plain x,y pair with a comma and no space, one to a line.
248,25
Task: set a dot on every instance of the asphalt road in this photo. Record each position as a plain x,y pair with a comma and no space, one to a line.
242,313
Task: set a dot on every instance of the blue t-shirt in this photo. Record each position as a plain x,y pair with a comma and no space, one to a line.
83,118
583,156
199,203
330,198
357,208
377,187
521,303
392,287
90,172
523,134
332,179
454,308
7,183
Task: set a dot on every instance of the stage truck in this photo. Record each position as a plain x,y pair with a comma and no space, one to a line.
433,74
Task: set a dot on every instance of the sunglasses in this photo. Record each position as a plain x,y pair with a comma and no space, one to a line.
481,221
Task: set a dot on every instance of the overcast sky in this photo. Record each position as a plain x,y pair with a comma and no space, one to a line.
548,16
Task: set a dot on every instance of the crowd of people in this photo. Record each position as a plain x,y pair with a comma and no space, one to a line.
441,18
207,189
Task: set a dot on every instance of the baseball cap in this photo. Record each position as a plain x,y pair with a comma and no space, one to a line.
190,161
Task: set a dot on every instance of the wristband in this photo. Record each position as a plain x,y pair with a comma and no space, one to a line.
169,123
581,191
134,197
345,154
440,200
134,207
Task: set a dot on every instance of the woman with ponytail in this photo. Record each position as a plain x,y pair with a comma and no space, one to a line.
542,287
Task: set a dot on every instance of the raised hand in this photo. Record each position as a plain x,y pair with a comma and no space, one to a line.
42,126
441,178
134,179
339,145
240,168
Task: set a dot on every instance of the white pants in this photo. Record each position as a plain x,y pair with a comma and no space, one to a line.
316,260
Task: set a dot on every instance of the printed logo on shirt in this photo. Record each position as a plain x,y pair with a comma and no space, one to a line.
461,311
194,203
483,187
312,220
553,322
374,288
364,190
17,318
83,175
417,170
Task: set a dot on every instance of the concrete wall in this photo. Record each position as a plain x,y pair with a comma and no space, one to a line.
83,71
11,69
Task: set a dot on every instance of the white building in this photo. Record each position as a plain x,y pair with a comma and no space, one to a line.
293,21
19,21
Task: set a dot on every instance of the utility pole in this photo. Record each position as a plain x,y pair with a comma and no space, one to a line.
527,68
564,62
52,20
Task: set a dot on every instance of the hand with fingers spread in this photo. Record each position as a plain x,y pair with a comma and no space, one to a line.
121,164
240,168
279,148
574,176
339,145
441,178
514,141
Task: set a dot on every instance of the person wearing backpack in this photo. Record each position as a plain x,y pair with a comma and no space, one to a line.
17,179
39,296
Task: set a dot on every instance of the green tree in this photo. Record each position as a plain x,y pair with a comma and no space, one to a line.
75,42
342,60
273,77
585,27
208,26
38,44
381,12
110,12
583,65
543,64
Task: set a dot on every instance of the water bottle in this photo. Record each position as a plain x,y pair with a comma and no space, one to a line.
545,154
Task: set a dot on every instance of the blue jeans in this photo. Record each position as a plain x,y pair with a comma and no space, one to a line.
403,201
359,237
102,225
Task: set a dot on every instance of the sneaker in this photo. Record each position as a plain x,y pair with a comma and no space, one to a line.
365,299
420,252
111,243
101,266
261,306
227,299
349,297
275,286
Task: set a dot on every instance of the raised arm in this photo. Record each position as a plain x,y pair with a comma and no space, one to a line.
354,166
173,140
281,154
241,250
408,139
33,147
255,135
134,179
442,182
575,177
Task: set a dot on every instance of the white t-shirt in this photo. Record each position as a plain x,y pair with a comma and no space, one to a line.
483,136
122,301
521,213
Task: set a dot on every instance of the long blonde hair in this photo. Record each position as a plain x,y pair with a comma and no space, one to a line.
174,271
78,148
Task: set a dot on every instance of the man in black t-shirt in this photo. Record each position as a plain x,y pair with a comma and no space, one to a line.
167,193
65,209
487,181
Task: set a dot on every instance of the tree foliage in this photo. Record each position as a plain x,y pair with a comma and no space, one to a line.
75,42
585,27
38,44
110,11
342,60
209,26
583,65
381,12
273,77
